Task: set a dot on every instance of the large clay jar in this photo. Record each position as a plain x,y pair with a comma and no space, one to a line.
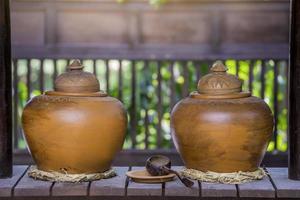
76,128
220,128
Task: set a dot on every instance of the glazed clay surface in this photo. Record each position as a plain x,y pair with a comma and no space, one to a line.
222,133
74,133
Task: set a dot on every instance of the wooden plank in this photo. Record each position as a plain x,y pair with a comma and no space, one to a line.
146,124
176,188
41,77
197,65
95,67
294,93
237,67
262,79
6,185
133,106
258,189
107,76
54,75
120,81
218,190
185,89
285,188
111,187
70,189
144,101
143,189
275,103
137,157
172,86
5,92
159,105
30,187
251,66
16,125
28,79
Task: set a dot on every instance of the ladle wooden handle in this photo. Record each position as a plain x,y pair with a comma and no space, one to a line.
185,181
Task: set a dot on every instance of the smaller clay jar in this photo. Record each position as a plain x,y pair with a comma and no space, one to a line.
220,128
76,128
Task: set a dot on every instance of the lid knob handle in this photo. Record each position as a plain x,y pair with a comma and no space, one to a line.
218,66
75,65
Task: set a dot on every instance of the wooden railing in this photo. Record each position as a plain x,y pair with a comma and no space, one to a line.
150,88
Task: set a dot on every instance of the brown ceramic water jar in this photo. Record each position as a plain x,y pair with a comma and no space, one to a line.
220,128
76,128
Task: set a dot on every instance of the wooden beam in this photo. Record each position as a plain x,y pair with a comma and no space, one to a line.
294,93
138,157
5,92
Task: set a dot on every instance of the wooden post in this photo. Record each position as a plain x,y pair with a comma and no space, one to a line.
5,92
294,93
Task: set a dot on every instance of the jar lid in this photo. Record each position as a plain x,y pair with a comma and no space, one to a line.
219,84
76,82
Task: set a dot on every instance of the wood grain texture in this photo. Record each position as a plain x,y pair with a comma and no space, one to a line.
257,189
132,109
286,188
138,157
7,184
294,93
5,92
176,188
218,190
111,187
28,187
143,189
70,189
137,31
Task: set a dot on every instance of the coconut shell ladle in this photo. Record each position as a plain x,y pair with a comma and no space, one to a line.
159,165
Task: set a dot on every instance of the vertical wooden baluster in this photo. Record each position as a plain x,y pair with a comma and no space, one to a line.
68,63
16,104
172,86
146,119
286,96
275,103
120,81
251,66
107,75
237,67
54,71
5,92
286,92
146,123
133,119
185,90
95,67
262,79
28,83
42,87
198,69
172,91
159,106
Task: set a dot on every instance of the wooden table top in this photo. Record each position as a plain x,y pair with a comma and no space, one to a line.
276,185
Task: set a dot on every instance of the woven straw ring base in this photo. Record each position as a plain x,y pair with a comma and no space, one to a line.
37,174
225,178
